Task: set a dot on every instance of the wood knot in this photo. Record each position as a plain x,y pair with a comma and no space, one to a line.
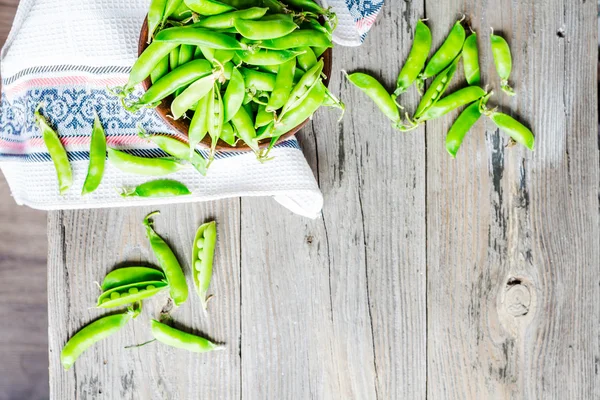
517,300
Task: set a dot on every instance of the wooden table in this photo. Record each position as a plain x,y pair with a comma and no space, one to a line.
425,276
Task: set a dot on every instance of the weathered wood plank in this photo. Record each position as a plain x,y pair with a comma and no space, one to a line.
513,236
84,246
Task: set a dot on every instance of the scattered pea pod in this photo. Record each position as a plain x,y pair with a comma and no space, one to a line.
372,88
502,61
142,166
158,188
436,89
447,52
130,293
516,130
452,102
203,250
181,340
168,262
127,275
57,152
416,58
97,158
461,126
470,55
93,333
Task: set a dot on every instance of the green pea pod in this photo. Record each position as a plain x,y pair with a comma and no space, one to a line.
416,58
158,188
127,275
215,118
264,29
181,340
302,88
155,16
234,94
57,152
203,251
452,102
177,149
299,114
372,88
227,134
263,117
208,7
129,294
307,5
267,57
168,262
142,166
160,70
199,124
244,126
447,52
226,20
470,55
174,58
174,80
192,95
186,53
307,59
93,333
258,80
284,83
197,37
97,158
171,7
502,61
516,130
461,126
319,51
437,88
297,39
147,61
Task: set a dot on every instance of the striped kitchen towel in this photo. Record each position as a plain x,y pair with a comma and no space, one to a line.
64,54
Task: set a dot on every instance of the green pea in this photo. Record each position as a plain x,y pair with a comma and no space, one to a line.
470,55
264,29
416,58
150,287
97,158
57,152
93,333
114,295
198,264
502,61
200,243
452,102
447,52
181,340
208,7
372,88
133,290
142,166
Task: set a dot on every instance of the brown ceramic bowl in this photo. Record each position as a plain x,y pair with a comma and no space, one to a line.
183,124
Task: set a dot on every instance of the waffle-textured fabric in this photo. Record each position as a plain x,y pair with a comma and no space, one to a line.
64,54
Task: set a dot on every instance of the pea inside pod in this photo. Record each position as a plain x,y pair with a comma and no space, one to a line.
127,275
203,250
130,293
181,340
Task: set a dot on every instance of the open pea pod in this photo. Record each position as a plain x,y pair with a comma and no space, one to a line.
128,275
131,293
203,251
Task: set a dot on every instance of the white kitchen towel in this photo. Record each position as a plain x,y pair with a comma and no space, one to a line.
64,54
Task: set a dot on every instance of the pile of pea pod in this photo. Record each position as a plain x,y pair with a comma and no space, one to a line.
240,70
442,67
129,286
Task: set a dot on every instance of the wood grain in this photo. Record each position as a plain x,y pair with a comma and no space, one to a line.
424,277
513,236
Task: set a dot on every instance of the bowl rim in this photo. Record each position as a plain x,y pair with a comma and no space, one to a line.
181,125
